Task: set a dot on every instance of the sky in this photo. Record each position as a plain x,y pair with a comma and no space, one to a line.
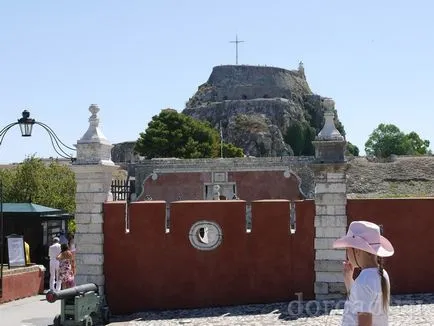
136,57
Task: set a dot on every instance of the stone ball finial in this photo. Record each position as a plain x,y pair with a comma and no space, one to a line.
94,109
328,104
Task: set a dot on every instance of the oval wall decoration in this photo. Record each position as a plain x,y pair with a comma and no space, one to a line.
205,235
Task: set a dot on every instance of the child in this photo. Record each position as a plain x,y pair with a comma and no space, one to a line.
369,294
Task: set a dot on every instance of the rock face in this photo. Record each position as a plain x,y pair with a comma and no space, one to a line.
124,153
255,106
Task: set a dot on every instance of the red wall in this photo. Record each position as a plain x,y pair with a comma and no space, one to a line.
151,269
175,186
28,282
254,185
251,185
409,225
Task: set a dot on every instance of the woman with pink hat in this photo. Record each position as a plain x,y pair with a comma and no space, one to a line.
369,293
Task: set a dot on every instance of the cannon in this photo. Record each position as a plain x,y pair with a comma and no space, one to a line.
81,305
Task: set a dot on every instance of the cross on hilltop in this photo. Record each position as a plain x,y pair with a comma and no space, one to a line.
236,47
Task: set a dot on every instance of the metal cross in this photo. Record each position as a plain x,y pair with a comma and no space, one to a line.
236,47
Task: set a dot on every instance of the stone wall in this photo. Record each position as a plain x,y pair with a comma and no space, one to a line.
330,207
22,282
298,165
236,82
123,153
246,185
93,169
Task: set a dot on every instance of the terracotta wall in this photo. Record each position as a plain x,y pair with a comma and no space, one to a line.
250,185
176,186
150,269
21,283
409,225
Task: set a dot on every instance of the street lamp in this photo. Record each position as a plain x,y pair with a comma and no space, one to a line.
26,126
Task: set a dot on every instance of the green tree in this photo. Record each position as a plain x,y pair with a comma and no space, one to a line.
352,149
300,136
51,185
173,134
418,145
230,150
388,139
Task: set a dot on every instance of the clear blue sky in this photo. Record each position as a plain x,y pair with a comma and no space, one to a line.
136,57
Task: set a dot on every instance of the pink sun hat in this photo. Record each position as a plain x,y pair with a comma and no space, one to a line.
365,236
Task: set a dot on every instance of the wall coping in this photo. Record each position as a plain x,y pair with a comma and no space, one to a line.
22,270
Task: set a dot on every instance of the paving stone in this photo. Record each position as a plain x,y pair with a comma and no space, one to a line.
405,310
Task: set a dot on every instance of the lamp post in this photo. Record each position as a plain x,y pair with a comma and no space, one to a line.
26,126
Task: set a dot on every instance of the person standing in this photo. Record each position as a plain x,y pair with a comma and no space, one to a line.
62,237
66,267
53,251
369,294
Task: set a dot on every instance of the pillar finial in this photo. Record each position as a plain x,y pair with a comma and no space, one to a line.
329,131
329,143
93,147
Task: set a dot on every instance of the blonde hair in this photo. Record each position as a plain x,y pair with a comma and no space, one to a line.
385,290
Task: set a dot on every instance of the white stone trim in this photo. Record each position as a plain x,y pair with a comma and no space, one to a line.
330,254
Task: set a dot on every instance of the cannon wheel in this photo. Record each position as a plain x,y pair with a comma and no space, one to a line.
87,321
105,314
57,320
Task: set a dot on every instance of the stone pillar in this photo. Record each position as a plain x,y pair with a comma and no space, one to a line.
93,170
330,207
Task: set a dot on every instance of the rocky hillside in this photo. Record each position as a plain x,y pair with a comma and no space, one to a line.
255,105
404,177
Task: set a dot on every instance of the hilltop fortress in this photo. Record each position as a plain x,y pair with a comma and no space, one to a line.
244,82
255,106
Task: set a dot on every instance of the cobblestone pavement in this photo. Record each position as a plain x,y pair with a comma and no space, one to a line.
405,310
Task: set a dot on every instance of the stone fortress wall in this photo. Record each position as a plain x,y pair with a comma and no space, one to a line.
229,82
297,165
404,177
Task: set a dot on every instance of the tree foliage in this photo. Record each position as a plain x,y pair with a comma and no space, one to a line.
300,136
51,185
352,149
388,139
230,150
418,145
173,134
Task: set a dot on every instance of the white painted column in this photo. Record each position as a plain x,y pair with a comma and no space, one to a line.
93,170
330,207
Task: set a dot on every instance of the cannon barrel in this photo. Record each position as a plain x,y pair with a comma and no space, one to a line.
53,296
